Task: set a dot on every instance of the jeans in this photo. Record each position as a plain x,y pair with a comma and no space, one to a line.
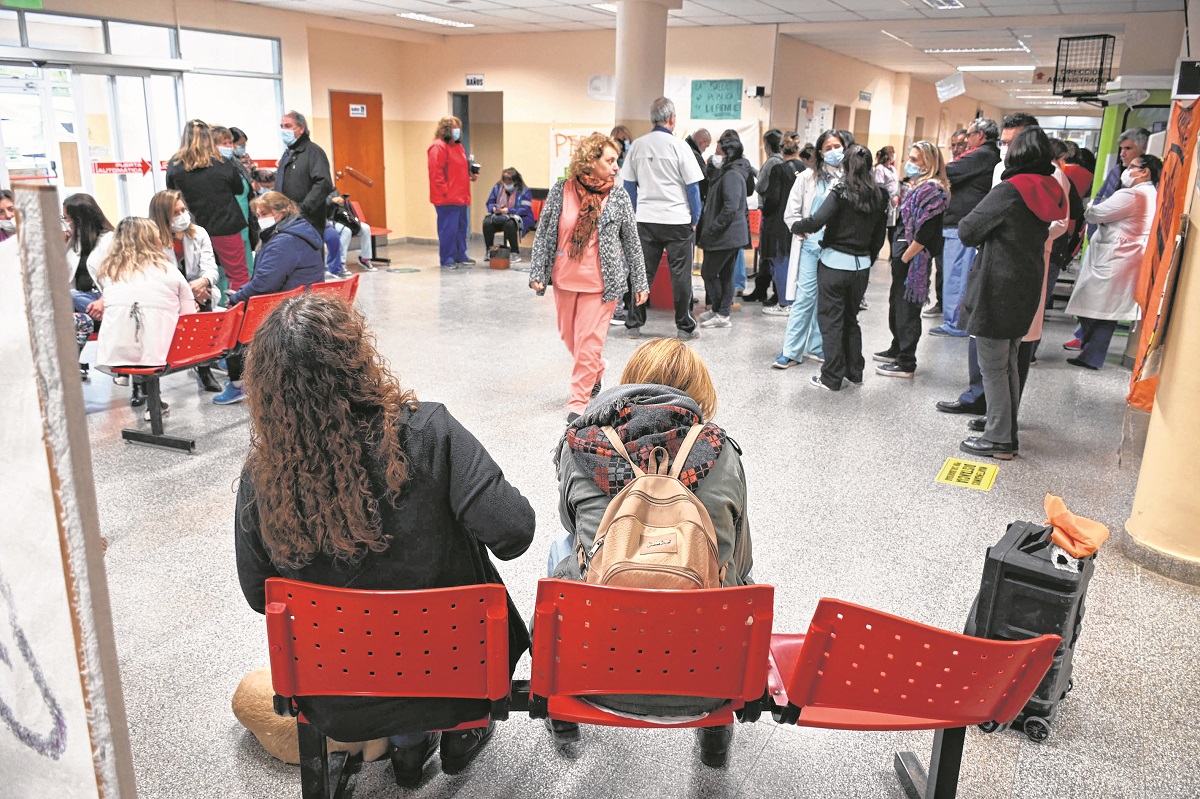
904,319
840,292
958,261
778,267
998,361
366,249
1097,335
333,250
678,241
82,299
719,270
510,228
452,233
739,271
803,334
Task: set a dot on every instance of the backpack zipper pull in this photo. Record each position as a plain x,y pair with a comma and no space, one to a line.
595,546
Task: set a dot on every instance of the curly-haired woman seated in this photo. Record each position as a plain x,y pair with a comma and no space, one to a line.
393,494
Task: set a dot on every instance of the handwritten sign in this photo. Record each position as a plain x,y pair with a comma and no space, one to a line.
563,143
717,99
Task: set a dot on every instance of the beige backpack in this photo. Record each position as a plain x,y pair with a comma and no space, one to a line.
655,533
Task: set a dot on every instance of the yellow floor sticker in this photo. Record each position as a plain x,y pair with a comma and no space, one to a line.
968,473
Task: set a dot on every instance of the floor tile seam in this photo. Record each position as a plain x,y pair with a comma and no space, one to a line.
757,757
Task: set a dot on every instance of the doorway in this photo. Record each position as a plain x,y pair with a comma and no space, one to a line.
862,126
358,165
482,115
841,117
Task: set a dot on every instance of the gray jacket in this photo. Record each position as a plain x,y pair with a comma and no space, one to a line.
619,243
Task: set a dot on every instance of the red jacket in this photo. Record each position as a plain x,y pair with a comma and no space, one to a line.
449,176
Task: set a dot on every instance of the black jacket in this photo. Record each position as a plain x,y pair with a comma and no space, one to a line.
211,194
703,167
970,180
847,229
456,506
1004,287
775,240
725,221
304,178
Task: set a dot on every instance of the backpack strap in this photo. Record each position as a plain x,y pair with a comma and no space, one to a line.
685,449
615,440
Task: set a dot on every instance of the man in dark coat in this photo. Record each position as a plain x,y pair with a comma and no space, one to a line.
303,175
699,142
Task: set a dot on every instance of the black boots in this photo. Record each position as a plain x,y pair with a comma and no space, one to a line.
205,375
408,763
714,745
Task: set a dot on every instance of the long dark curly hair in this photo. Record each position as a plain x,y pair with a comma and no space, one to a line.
323,405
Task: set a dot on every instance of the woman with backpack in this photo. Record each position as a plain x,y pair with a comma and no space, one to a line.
665,393
854,220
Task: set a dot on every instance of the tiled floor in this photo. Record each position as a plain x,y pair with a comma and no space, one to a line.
843,503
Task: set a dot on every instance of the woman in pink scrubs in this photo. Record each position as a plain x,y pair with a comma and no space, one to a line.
586,243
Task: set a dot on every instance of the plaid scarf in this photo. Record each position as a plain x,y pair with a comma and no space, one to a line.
642,428
592,193
920,205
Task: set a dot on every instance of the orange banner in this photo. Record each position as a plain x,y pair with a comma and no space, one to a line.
1173,191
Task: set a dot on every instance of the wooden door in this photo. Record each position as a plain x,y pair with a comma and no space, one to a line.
358,170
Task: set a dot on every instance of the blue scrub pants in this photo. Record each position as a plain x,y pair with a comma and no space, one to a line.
452,233
803,336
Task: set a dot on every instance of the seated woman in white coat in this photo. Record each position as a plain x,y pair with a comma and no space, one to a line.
144,296
189,247
1104,290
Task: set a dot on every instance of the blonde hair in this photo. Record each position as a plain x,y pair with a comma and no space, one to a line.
670,362
445,125
137,245
275,203
588,151
196,148
935,165
162,211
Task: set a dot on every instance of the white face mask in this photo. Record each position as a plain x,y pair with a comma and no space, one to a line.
8,225
1127,179
1004,153
265,222
718,160
181,222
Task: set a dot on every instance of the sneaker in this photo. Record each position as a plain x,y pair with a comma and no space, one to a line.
408,763
704,317
467,262
933,311
165,410
121,380
449,266
460,748
777,310
884,357
815,382
336,276
941,331
221,366
893,370
515,258
634,332
686,336
783,362
1074,345
716,320
367,266
812,356
230,395
617,321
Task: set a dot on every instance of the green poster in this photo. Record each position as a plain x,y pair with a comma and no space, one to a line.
717,99
33,5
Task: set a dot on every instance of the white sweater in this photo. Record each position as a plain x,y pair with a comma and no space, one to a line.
140,313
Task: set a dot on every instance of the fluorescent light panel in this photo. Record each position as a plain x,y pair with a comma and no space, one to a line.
998,68
943,5
894,36
435,20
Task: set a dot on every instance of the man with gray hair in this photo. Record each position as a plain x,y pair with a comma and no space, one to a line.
303,175
970,178
663,178
1130,145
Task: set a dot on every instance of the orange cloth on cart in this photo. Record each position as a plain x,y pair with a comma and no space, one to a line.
1077,535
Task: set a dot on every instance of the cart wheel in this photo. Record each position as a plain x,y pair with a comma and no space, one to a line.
1037,728
1070,684
989,726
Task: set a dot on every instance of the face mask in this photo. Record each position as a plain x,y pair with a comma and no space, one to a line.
8,225
226,152
66,223
718,160
239,151
455,134
834,157
1127,179
911,169
509,186
181,222
288,136
1004,153
265,222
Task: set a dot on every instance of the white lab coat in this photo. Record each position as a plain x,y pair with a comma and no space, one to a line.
799,206
1109,273
142,337
198,258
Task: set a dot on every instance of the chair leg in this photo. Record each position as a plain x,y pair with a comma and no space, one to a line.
155,437
375,250
944,765
314,762
154,404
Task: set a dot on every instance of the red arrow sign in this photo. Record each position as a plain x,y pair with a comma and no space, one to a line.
121,167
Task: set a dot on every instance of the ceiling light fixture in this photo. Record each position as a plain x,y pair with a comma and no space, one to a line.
1021,49
609,7
435,20
894,36
943,5
999,68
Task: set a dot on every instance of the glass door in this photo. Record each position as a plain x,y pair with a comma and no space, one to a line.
38,134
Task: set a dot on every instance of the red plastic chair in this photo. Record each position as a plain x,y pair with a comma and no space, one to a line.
258,308
347,288
863,669
375,231
325,641
590,639
199,338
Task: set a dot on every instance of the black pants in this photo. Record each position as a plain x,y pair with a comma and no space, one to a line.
718,279
975,393
839,293
904,319
677,240
508,228
939,278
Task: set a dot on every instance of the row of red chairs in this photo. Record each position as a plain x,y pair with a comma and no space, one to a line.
203,338
856,668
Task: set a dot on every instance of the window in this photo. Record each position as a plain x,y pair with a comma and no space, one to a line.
140,40
10,29
229,53
55,32
251,104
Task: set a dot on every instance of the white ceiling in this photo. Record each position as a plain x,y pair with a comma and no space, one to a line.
851,27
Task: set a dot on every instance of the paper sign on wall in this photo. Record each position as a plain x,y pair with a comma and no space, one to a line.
717,99
359,111
475,81
563,143
951,87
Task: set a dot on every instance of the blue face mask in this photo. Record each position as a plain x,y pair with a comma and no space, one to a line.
239,151
834,157
226,152
288,136
455,134
509,186
911,169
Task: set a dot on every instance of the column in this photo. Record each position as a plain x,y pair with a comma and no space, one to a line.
641,59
